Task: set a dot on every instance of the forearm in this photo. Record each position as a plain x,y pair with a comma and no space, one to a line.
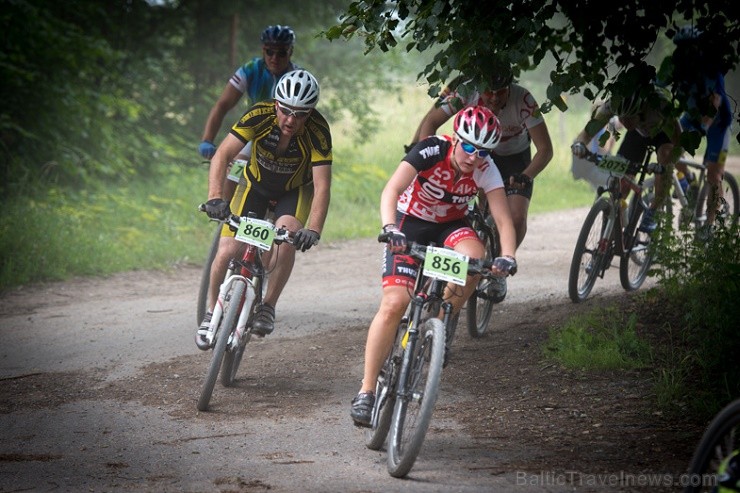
319,210
213,123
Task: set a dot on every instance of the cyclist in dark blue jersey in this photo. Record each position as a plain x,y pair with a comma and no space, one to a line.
701,80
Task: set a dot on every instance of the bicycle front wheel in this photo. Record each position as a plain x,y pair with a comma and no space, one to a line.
591,252
480,304
234,354
638,253
416,398
205,278
719,444
225,329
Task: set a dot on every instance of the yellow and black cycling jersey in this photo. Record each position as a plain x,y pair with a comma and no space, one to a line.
311,146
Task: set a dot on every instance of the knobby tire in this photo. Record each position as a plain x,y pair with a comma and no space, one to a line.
721,439
638,256
480,305
233,357
586,253
413,412
228,324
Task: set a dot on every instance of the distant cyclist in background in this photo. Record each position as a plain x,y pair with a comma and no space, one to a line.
290,164
701,78
521,125
257,80
426,200
646,125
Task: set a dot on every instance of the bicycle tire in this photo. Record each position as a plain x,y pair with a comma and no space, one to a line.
385,392
480,304
731,195
638,255
233,357
720,440
589,254
412,415
227,326
205,278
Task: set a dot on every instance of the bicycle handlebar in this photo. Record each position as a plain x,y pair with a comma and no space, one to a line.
419,251
633,169
281,234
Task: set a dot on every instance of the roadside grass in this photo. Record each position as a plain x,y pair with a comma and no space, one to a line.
603,339
152,223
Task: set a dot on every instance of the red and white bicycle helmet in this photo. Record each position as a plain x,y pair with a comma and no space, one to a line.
478,126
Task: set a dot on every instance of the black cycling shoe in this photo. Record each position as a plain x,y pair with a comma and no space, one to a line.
264,321
362,409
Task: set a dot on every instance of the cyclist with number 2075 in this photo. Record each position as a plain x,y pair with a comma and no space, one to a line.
426,201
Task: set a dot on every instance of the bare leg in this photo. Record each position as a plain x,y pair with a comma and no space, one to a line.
228,248
382,333
519,207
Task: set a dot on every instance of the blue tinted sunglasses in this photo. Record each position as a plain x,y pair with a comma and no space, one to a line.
471,149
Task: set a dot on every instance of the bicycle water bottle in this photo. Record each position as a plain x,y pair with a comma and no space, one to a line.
623,212
683,182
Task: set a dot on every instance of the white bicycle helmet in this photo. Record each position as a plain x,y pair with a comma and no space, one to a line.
298,89
478,126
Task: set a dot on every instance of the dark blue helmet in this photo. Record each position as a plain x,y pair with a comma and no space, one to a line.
280,35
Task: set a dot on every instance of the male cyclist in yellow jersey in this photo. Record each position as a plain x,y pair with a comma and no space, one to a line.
290,165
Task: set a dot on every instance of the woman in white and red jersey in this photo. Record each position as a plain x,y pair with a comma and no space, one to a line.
426,200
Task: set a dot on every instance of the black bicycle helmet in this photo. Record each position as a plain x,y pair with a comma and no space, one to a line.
501,75
277,34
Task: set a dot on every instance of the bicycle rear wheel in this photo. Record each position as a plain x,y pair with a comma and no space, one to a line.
592,251
413,410
729,210
225,329
234,355
480,304
205,278
638,254
385,394
720,443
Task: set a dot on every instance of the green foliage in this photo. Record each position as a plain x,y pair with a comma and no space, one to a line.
58,233
108,91
594,54
604,339
701,282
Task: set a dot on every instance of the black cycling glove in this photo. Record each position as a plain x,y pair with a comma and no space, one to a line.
396,239
217,209
305,239
506,264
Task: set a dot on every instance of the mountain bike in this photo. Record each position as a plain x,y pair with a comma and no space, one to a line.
692,203
238,297
408,384
234,173
611,227
715,465
479,306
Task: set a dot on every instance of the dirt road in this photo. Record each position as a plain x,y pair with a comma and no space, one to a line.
100,377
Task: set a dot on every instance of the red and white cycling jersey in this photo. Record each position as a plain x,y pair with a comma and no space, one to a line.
435,195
